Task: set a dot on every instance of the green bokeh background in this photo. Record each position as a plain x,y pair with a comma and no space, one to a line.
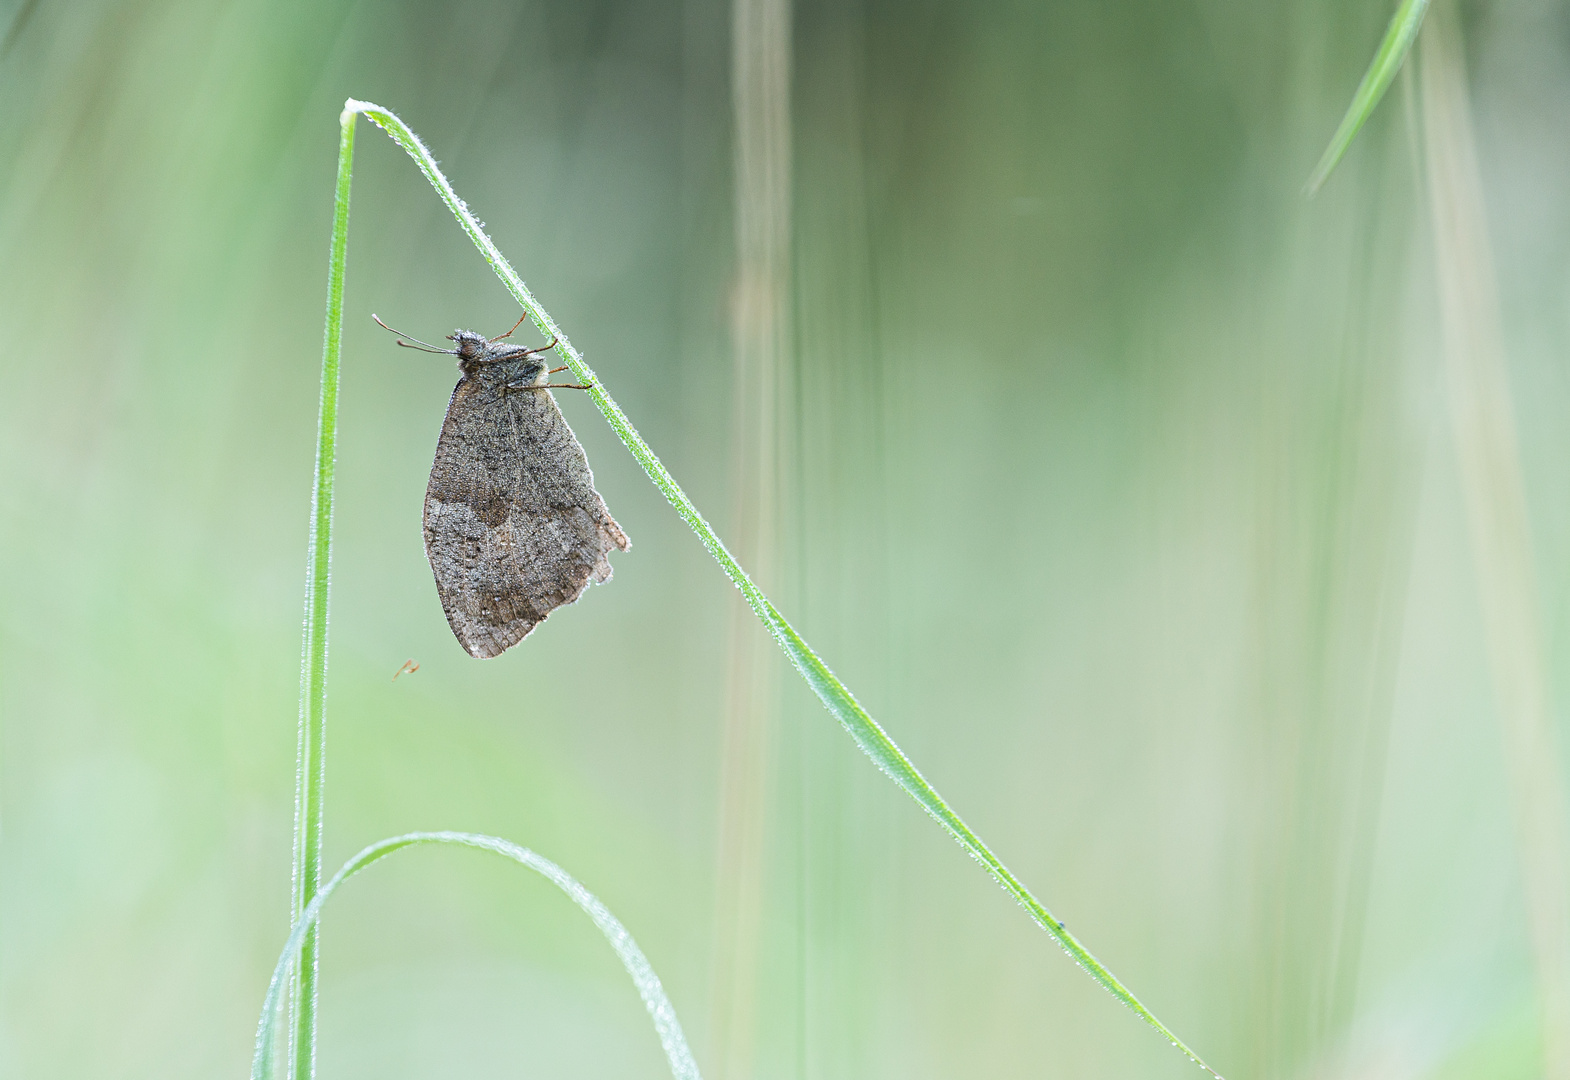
1121,491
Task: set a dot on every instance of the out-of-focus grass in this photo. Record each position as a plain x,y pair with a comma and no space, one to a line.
1221,615
1488,454
1389,57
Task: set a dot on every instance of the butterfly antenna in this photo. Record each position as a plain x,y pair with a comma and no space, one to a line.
417,343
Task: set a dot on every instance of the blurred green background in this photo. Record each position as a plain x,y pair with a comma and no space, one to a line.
1117,480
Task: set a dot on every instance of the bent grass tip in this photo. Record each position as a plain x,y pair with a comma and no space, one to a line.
265,1060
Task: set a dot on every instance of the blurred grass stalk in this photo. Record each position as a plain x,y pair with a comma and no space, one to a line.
1485,439
1388,58
760,320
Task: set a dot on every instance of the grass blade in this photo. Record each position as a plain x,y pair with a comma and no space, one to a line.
310,761
835,696
683,1066
1381,72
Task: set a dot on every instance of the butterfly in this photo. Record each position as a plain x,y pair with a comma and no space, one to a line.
514,528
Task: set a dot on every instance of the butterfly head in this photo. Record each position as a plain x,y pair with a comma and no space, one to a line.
470,346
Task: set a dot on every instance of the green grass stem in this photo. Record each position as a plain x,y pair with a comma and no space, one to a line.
683,1067
1381,72
310,760
872,739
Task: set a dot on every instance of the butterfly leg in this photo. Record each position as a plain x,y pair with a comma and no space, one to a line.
515,326
517,388
511,387
554,370
501,357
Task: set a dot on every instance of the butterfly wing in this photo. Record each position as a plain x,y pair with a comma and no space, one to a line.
513,526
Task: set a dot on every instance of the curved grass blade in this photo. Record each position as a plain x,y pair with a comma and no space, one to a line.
1381,72
683,1066
835,696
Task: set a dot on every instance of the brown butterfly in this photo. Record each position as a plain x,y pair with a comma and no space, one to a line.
513,526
